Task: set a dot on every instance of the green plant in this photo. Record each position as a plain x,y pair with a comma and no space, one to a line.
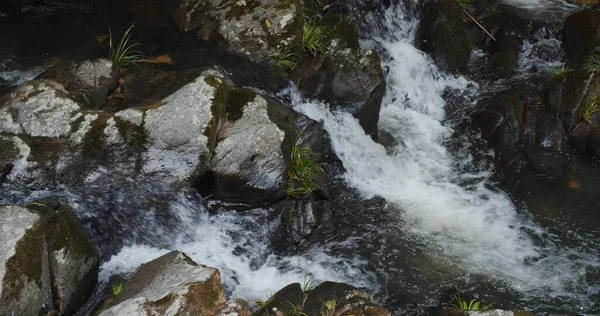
329,308
308,284
305,168
123,53
285,58
295,310
117,288
312,37
560,73
591,106
472,305
262,303
463,3
593,62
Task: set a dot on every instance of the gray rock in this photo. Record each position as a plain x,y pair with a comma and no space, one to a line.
248,162
176,140
48,261
88,83
38,108
171,285
253,29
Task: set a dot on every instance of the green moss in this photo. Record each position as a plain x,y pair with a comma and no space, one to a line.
135,138
26,262
218,109
93,145
237,99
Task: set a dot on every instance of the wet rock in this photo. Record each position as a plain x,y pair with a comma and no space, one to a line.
302,218
236,307
568,99
345,76
89,83
523,132
171,285
38,108
582,37
49,262
347,300
254,29
443,34
248,163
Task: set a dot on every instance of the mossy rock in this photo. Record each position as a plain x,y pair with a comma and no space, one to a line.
582,37
54,265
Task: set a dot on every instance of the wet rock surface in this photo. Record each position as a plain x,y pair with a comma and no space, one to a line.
171,285
49,264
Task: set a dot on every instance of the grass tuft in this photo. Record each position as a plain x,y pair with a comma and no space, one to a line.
308,284
472,305
305,168
560,73
285,58
329,308
117,288
124,53
312,37
593,62
591,106
295,310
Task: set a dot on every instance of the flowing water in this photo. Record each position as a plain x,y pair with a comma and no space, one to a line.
445,222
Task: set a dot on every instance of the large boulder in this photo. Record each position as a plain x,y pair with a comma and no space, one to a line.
47,262
173,285
343,300
582,37
443,34
345,76
254,29
58,141
524,133
89,83
493,312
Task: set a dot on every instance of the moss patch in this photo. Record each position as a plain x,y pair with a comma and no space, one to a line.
237,99
218,109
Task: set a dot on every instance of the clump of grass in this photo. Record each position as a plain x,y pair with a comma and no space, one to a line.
591,106
117,288
305,168
308,284
262,304
295,310
472,305
312,38
560,73
285,58
123,53
593,62
329,308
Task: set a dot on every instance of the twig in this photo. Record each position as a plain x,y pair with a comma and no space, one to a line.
478,24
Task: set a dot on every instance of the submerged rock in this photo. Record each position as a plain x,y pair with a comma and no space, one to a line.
173,285
48,262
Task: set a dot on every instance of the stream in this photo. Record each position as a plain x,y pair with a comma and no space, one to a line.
446,223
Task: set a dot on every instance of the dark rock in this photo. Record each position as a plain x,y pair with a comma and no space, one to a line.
345,76
347,300
443,33
89,83
524,133
582,37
